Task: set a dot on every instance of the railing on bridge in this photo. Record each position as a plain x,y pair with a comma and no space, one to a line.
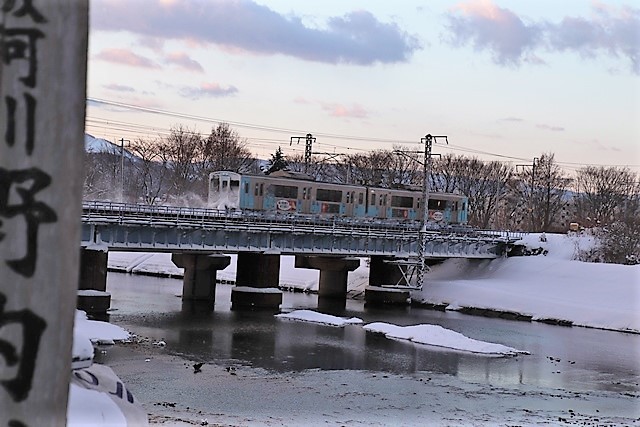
96,211
167,228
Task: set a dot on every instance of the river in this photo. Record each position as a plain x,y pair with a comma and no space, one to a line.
261,370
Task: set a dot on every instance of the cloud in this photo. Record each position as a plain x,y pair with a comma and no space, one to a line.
338,110
492,28
615,32
549,127
119,88
182,60
208,90
244,26
126,57
511,119
511,41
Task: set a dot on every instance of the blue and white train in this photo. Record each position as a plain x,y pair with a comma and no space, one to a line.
291,193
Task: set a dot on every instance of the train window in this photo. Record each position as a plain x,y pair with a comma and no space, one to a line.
401,202
325,195
304,193
360,198
435,204
373,199
348,197
246,188
261,189
255,192
215,184
235,184
224,184
285,191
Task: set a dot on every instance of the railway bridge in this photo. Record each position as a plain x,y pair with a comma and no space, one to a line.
201,239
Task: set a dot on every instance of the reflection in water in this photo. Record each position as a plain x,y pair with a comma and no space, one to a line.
583,359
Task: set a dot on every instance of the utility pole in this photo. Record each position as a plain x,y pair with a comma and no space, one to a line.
533,165
428,141
122,141
309,140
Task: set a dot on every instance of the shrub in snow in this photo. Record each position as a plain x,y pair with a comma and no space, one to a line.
617,243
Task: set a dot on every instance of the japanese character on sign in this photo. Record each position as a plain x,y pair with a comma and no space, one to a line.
33,326
25,184
27,8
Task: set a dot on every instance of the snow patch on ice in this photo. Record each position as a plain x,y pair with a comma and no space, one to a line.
440,337
315,317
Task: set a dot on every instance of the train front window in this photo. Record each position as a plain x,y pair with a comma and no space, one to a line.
235,184
215,183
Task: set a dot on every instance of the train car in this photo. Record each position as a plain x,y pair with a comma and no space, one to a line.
292,193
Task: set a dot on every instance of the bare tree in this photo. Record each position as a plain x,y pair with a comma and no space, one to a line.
446,171
370,169
151,170
181,149
541,193
486,187
224,149
102,175
603,193
404,168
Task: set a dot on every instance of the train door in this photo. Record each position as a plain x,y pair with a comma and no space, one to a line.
258,194
382,204
350,201
306,200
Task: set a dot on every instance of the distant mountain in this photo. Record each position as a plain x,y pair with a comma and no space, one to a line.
100,145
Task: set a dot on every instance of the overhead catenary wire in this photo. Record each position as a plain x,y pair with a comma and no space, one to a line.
134,129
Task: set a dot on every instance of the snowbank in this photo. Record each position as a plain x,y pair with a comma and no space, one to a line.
543,287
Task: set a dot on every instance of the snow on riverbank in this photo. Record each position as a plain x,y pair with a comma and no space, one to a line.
552,286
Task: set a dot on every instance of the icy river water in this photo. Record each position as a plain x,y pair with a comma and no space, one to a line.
261,370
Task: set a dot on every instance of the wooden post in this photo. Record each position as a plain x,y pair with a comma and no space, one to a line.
43,61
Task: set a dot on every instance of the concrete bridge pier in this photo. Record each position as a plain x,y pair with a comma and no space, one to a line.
92,282
333,273
257,282
385,271
199,282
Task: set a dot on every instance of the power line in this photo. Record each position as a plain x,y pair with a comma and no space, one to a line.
133,128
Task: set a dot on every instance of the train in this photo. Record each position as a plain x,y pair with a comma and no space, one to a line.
285,192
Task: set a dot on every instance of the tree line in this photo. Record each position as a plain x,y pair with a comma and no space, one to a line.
539,197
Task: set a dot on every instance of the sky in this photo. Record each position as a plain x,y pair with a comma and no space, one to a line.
503,80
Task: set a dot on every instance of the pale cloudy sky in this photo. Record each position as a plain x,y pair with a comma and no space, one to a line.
505,80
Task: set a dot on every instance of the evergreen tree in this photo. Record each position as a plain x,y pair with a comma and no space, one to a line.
278,162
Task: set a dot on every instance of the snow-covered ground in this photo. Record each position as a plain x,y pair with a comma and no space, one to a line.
550,286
